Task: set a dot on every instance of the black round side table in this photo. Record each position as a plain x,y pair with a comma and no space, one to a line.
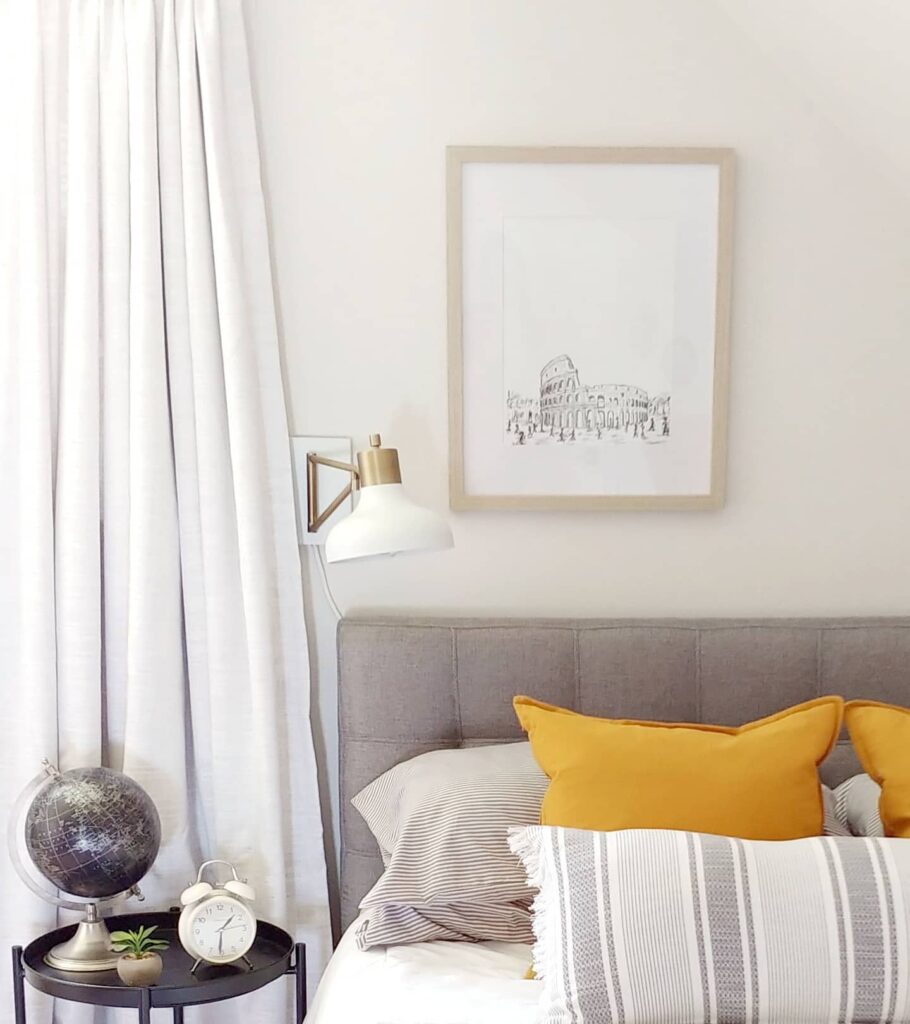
273,954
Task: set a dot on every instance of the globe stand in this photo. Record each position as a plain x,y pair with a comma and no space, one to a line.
88,950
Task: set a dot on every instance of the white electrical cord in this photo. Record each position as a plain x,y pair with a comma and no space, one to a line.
320,558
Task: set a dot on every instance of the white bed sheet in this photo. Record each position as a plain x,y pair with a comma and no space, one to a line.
427,983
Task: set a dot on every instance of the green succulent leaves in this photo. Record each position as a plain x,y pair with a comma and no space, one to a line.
138,943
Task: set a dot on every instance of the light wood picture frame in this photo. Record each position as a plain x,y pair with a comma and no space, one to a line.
623,255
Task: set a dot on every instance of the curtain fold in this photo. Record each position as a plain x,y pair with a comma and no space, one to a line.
151,611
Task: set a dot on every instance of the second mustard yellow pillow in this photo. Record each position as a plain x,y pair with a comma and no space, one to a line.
881,736
757,781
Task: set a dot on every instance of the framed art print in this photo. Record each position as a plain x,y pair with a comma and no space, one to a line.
589,307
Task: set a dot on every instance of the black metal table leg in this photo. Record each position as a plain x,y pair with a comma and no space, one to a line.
178,1015
299,980
145,1006
18,985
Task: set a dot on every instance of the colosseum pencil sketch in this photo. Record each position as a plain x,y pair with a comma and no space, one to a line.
589,303
567,410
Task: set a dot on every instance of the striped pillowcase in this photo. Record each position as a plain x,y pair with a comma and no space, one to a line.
657,927
835,821
441,821
856,804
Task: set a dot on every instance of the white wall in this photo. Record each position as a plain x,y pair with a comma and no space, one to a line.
357,101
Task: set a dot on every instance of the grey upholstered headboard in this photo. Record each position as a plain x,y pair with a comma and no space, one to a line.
410,685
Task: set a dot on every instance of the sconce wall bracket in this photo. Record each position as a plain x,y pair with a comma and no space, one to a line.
315,518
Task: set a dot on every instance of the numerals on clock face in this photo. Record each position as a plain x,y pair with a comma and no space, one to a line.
221,928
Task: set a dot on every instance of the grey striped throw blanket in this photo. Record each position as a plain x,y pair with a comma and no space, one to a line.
646,927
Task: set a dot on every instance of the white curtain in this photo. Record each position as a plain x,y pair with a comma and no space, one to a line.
151,611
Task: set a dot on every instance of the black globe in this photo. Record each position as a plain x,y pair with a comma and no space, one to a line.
93,832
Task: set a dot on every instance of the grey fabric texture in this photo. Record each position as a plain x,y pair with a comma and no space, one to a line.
646,926
836,823
411,685
856,804
441,820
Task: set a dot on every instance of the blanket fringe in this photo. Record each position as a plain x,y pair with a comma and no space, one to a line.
527,843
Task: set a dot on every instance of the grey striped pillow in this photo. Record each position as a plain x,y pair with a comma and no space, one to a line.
835,821
657,927
856,804
441,821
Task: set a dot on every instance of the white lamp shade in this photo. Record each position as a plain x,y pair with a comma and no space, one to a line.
386,522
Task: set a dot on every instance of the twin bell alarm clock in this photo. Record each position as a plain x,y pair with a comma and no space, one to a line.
217,924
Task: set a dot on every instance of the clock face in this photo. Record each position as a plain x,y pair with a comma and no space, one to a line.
219,929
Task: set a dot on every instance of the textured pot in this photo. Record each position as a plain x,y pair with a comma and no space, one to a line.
142,972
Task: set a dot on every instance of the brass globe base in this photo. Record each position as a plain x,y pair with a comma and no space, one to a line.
88,950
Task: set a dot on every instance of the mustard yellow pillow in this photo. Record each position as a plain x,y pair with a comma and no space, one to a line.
757,781
881,737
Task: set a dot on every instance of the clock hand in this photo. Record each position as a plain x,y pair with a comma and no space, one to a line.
227,922
220,941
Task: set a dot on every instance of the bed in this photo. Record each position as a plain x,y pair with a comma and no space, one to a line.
407,686
427,983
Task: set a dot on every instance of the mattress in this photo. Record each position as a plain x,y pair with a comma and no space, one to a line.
426,983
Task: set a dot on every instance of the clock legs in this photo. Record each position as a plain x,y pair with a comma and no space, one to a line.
246,960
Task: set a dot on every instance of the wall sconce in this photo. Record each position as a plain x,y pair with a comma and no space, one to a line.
385,521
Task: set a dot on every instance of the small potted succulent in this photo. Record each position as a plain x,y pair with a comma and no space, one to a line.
140,963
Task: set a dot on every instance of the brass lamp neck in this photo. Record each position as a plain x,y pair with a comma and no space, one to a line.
378,465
